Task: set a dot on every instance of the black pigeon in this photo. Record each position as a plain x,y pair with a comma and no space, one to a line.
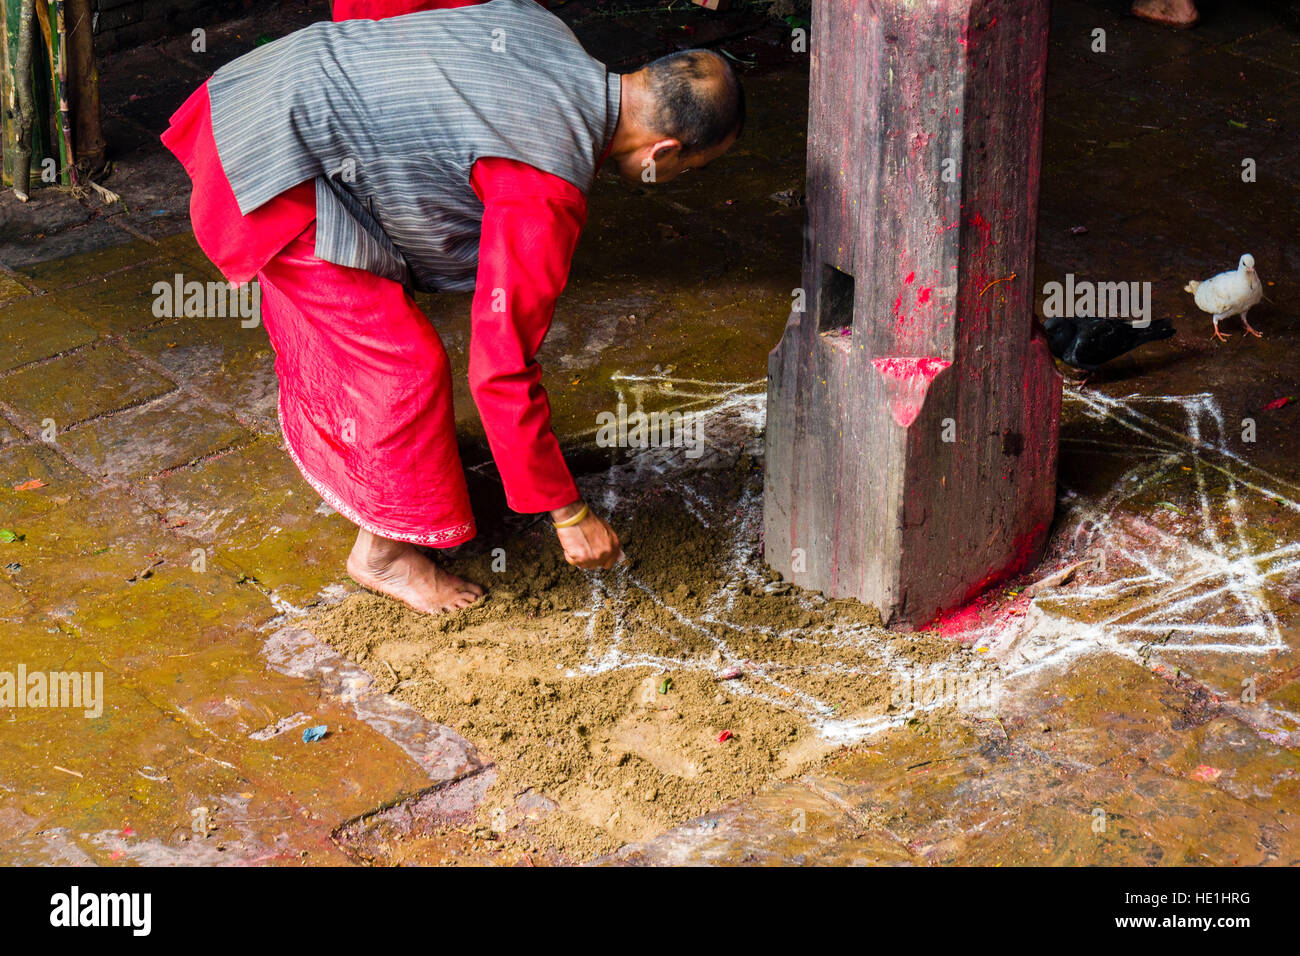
1089,343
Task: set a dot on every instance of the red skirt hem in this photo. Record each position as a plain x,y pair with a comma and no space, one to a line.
443,538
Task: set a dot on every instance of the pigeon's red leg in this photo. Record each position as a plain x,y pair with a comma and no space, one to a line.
1247,325
1217,334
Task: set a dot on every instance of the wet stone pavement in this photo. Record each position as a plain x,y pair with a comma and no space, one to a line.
155,532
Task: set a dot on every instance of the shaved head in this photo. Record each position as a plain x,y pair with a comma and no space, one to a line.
697,99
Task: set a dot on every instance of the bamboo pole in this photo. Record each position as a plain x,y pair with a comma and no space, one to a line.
60,148
59,56
26,108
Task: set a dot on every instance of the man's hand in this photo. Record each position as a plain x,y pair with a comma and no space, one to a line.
590,543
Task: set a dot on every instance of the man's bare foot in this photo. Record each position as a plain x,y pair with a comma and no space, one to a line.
1171,13
400,571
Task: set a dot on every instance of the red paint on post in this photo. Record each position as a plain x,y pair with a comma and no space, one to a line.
906,382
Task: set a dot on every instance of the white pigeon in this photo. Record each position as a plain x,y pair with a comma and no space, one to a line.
1229,293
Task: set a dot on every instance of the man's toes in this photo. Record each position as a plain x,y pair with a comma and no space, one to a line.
461,601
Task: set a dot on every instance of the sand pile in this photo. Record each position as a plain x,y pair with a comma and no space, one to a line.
613,693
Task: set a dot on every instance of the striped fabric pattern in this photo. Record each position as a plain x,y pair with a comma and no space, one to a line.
389,117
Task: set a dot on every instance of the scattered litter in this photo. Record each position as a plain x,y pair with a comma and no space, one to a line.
725,736
13,567
1054,580
1205,773
731,673
1170,506
9,537
281,726
30,485
1078,230
66,770
788,197
146,572
665,685
313,734
1237,124
1279,402
749,60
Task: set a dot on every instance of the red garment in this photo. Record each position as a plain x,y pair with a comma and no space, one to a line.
531,224
356,356
237,245
365,397
382,9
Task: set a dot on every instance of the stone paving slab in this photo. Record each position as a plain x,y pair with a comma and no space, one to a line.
124,300
9,432
277,530
11,289
72,257
37,328
97,544
229,364
82,385
159,436
35,478
206,725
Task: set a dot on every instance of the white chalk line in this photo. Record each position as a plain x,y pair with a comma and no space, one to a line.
732,415
1222,577
1182,591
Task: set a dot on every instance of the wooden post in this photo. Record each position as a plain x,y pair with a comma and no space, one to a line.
87,135
912,410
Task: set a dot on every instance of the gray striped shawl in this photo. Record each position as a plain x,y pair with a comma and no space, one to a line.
389,117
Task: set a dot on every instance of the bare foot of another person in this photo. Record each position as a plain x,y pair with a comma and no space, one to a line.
1171,13
400,571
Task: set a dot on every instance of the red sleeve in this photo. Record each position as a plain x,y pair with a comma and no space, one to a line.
531,224
382,9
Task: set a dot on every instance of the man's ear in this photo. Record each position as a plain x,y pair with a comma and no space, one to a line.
664,148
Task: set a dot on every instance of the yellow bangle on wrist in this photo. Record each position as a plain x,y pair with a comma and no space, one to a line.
576,519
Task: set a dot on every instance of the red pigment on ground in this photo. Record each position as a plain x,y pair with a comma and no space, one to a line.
952,625
971,609
1022,553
